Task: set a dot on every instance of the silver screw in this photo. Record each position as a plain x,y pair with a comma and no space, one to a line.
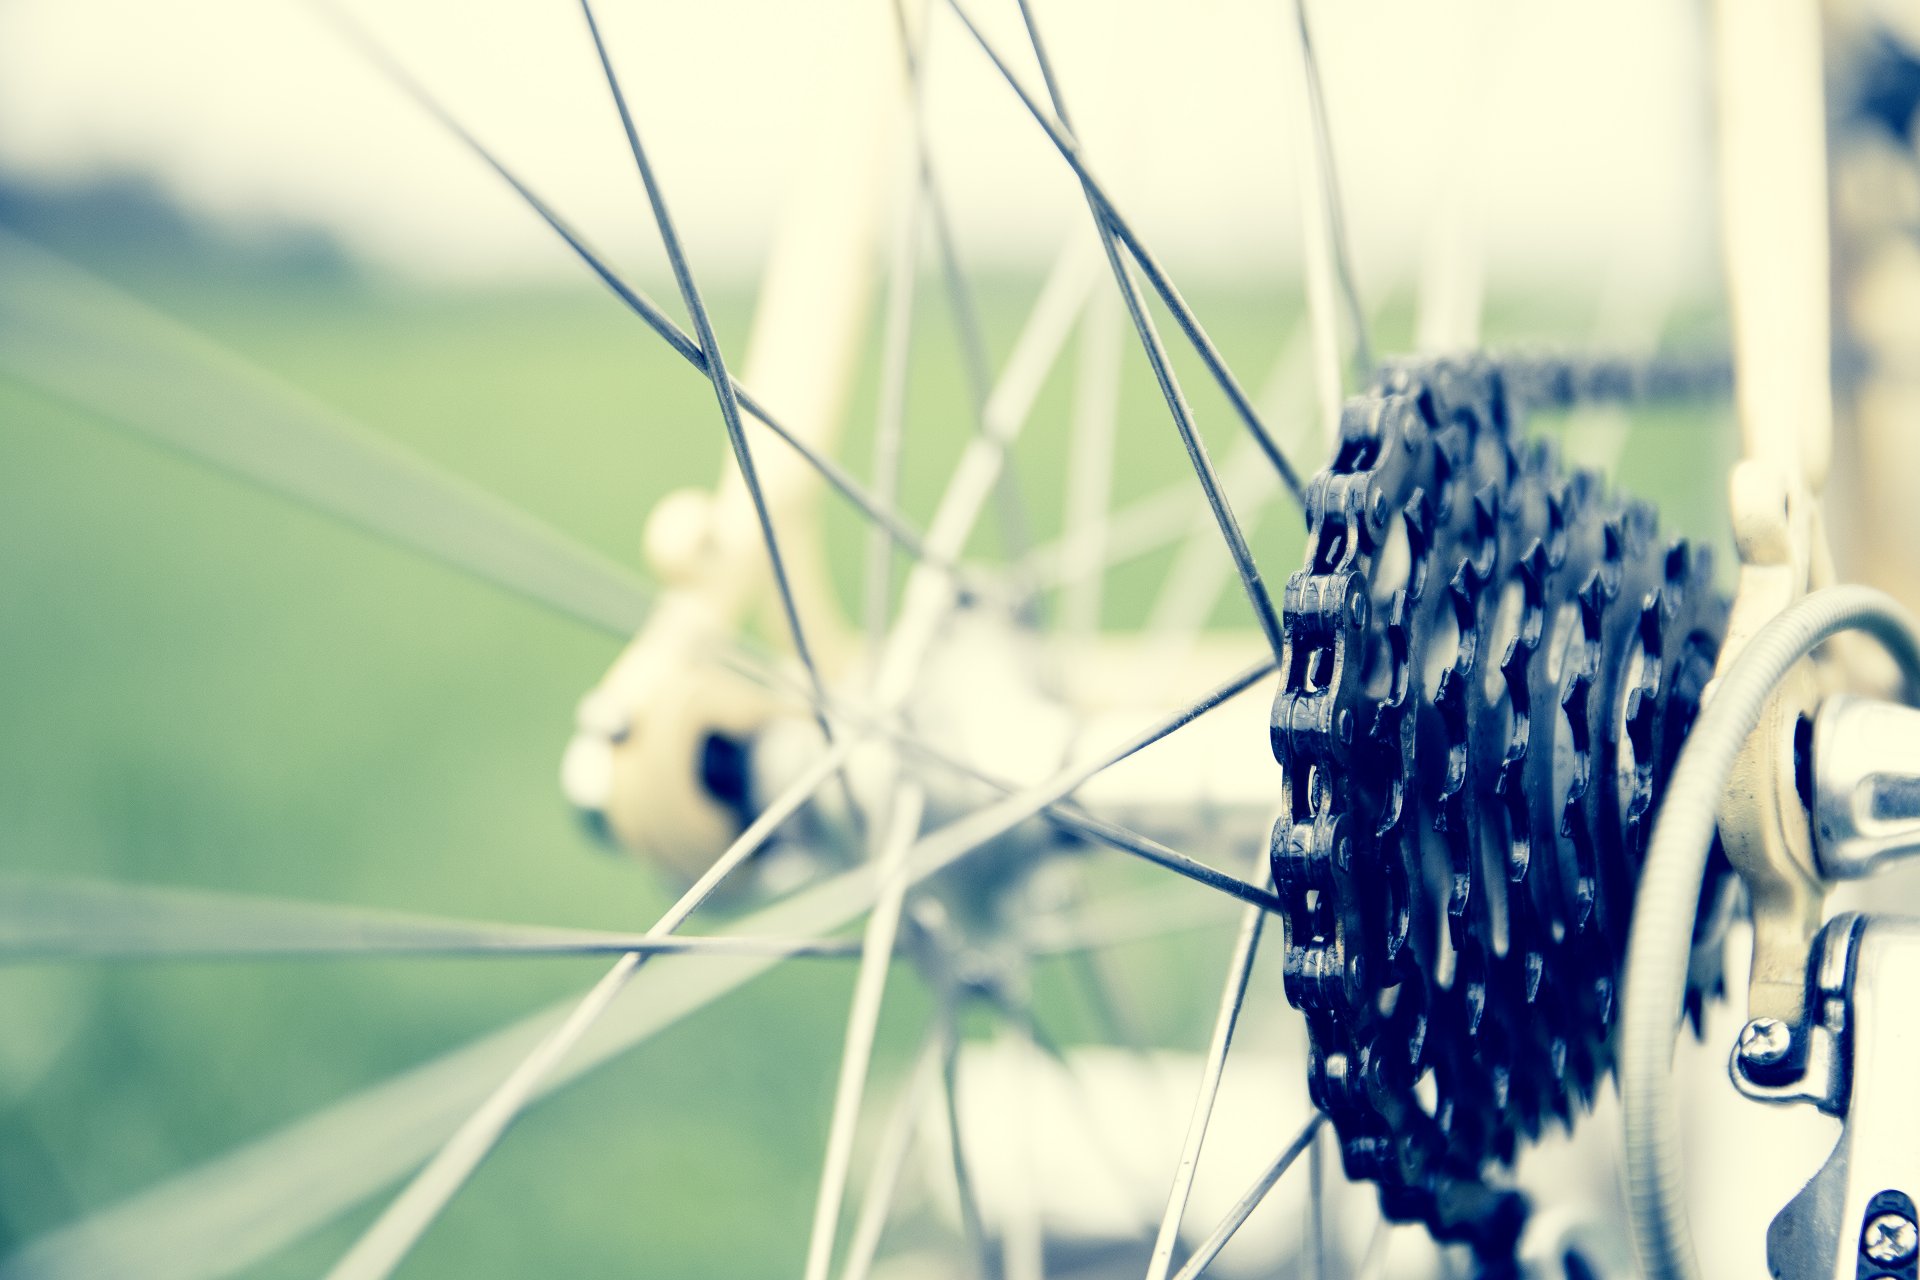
1764,1042
1890,1239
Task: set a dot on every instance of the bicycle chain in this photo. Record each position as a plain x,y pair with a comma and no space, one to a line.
1487,670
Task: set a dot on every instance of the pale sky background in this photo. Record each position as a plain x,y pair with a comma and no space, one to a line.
1593,120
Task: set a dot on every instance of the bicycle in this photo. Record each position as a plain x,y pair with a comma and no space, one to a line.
966,865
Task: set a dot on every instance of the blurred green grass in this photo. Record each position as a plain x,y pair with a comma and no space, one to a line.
208,687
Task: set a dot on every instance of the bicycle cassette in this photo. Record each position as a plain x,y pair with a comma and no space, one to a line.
1489,664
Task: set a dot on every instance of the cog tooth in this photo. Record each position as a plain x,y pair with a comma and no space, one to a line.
1486,511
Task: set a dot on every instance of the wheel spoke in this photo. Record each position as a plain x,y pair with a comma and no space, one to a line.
895,360
1453,268
1139,916
863,1021
1112,834
1193,582
1018,1011
1159,519
947,845
634,299
1089,498
1328,249
1106,223
1062,299
723,387
1109,216
965,1191
890,1160
1234,994
1083,933
1317,1206
392,1236
43,920
1023,1235
1069,816
962,836
1249,1201
1014,525
973,345
1010,404
1138,529
81,341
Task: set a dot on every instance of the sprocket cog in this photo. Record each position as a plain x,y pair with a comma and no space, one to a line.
1489,664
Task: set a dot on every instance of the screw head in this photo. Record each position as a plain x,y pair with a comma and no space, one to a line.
1890,1238
1765,1042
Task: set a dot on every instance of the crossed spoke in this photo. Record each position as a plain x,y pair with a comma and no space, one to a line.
723,386
693,352
1108,225
1243,1208
1060,134
392,1236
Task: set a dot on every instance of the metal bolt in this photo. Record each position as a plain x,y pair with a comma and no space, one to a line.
1890,1239
1765,1042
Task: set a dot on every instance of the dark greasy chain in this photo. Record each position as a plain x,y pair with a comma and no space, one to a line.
1488,668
